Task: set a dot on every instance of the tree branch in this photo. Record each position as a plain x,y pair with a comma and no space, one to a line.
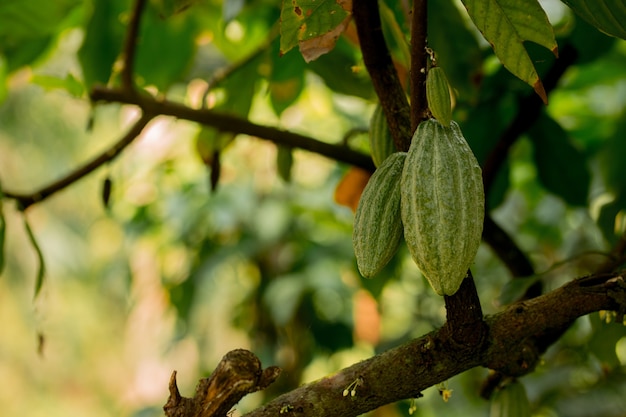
26,200
382,72
238,374
419,26
512,347
229,123
130,46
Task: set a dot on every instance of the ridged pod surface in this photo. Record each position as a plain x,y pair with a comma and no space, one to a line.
443,204
381,141
438,95
377,224
510,401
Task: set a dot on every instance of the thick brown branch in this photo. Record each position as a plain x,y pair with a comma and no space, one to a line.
382,72
26,200
403,372
464,315
418,62
229,123
238,374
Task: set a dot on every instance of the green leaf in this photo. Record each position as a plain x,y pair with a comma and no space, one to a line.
301,20
394,36
4,91
286,80
456,47
3,226
41,267
168,8
103,41
336,69
562,168
166,48
284,162
609,16
69,83
507,24
30,19
611,159
603,340
609,219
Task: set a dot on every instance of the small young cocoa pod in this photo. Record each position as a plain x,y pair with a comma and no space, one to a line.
377,224
381,141
438,95
443,204
510,401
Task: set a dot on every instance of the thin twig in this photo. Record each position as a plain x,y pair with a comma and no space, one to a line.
234,124
130,45
26,200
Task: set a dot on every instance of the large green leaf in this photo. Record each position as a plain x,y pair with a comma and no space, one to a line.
301,20
456,47
507,24
336,69
29,19
286,79
28,27
612,157
103,41
607,15
562,168
166,48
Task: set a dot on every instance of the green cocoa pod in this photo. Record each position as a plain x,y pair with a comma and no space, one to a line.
381,141
443,204
510,401
438,95
377,224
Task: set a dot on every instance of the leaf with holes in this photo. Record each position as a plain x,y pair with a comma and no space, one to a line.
313,25
507,24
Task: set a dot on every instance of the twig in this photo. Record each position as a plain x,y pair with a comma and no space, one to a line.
26,200
230,123
382,72
418,62
130,46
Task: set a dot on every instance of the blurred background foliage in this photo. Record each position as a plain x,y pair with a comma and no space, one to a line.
171,275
